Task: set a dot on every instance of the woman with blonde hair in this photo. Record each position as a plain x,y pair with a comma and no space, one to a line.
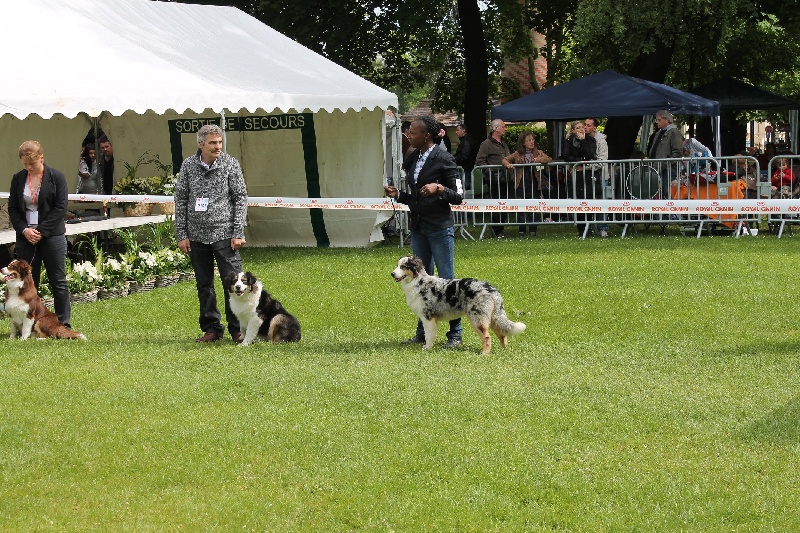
580,147
37,205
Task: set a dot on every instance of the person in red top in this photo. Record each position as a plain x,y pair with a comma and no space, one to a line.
783,180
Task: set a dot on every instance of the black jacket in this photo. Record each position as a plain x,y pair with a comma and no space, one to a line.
588,183
579,150
52,203
431,212
466,152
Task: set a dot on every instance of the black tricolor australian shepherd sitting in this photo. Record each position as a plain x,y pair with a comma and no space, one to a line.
260,316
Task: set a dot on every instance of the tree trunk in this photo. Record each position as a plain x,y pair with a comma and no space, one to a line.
621,131
476,63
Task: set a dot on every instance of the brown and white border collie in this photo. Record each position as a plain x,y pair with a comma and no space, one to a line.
260,316
25,310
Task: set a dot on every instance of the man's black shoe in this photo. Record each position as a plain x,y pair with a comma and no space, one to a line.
452,343
416,339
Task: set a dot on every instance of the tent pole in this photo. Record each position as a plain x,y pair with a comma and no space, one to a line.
222,125
558,137
99,174
644,136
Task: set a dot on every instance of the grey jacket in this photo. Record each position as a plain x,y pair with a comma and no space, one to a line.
667,145
492,152
225,189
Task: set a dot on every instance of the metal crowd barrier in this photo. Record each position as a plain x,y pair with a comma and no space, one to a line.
537,181
711,178
461,219
734,177
777,189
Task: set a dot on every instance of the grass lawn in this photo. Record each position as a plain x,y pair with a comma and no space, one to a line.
655,389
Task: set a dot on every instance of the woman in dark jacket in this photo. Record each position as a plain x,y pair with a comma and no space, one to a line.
432,186
578,147
37,205
588,182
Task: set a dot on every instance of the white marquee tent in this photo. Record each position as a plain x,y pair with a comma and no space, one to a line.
150,73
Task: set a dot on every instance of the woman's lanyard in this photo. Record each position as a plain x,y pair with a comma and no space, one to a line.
34,193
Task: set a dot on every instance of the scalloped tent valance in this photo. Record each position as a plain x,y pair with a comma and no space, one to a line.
89,56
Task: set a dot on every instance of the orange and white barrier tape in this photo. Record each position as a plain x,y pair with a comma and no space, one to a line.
566,205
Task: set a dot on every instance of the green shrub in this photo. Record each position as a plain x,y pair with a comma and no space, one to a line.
543,140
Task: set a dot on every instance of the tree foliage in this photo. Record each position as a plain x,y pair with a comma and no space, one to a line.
685,42
392,44
554,19
454,49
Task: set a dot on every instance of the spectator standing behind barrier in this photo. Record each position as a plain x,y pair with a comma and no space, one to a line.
465,153
406,144
746,170
37,204
667,143
527,184
87,171
106,164
587,183
601,154
444,139
491,152
770,151
698,164
783,180
210,216
433,182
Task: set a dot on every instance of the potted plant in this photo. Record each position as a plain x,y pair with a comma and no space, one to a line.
162,235
141,264
45,292
167,188
113,278
82,281
142,272
167,269
185,268
134,184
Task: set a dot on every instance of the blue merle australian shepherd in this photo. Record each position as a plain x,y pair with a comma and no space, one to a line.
435,299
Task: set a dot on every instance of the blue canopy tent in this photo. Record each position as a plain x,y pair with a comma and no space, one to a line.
736,95
607,94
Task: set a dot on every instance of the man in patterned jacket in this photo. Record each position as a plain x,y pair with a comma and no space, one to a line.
210,216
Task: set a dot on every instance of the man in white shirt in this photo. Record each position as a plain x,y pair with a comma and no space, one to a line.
601,154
